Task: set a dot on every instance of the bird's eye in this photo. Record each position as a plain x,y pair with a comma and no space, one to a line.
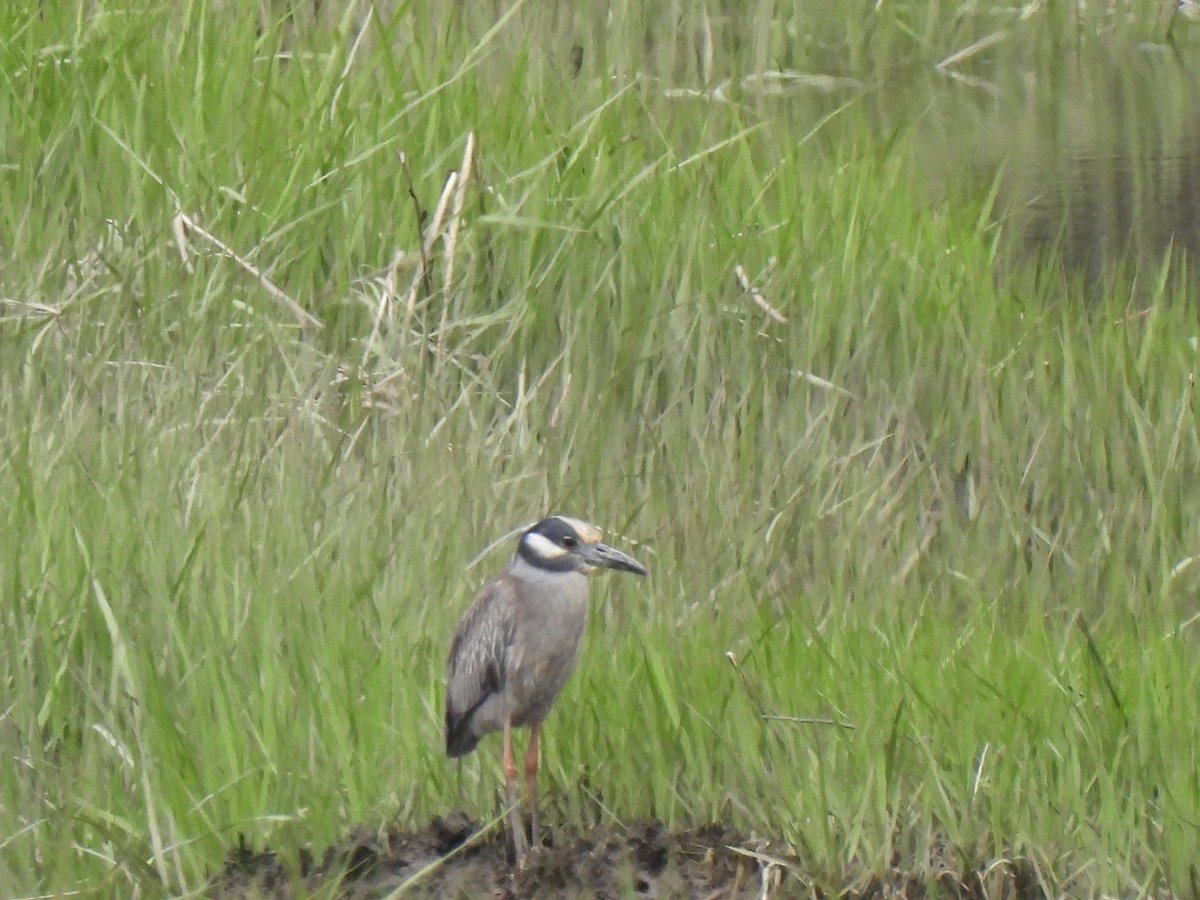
568,542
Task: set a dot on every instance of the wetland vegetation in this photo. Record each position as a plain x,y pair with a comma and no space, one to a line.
873,333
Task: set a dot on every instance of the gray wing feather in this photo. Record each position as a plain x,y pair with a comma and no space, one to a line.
477,667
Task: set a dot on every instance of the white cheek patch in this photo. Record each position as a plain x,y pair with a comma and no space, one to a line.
543,547
587,532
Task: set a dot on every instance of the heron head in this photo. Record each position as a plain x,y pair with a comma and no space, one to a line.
564,544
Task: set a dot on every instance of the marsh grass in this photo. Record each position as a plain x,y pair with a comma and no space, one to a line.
923,555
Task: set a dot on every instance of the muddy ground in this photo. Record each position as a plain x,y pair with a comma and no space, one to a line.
451,858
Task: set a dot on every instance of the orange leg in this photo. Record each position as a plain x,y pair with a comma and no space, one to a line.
514,804
531,770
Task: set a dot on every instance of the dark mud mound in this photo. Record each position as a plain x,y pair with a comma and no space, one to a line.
452,858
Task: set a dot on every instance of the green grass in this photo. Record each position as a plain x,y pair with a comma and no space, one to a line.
229,578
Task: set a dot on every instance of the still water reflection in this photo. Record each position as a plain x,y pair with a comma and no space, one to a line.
1097,161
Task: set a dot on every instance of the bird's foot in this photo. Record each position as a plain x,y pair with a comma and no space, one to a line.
519,844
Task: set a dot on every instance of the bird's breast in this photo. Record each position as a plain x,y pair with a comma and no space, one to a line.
549,637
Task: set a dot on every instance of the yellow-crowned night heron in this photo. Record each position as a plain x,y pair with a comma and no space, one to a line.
518,643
